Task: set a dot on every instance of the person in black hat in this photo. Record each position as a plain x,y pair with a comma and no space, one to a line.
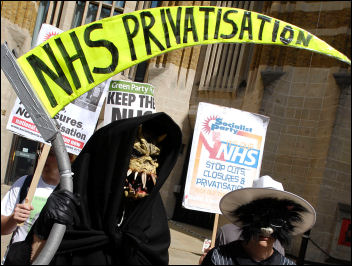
229,233
265,213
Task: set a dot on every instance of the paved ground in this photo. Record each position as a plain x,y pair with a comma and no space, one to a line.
186,241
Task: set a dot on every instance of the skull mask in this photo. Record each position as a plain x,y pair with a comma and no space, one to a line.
142,172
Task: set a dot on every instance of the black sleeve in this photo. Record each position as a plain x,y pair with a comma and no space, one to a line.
207,260
19,253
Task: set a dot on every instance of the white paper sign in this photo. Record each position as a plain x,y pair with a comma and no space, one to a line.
226,155
126,99
77,121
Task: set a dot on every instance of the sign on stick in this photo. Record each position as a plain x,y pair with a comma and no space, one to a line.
226,155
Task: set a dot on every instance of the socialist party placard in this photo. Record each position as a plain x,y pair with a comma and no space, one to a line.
226,155
126,99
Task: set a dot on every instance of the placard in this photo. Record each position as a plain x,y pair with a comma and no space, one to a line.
76,122
226,155
126,99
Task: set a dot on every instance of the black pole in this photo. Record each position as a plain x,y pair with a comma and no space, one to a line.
303,249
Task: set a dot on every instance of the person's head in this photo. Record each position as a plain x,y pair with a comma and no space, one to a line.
51,162
266,212
268,219
51,167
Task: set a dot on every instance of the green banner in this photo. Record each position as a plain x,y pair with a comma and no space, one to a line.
131,87
73,62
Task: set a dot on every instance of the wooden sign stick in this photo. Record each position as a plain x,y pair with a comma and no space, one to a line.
38,171
215,229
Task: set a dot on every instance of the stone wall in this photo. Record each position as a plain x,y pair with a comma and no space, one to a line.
308,119
17,24
302,115
21,13
335,189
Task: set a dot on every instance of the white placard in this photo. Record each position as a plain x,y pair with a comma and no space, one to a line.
226,155
126,99
77,121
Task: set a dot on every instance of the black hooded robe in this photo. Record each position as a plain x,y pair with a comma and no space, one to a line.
99,173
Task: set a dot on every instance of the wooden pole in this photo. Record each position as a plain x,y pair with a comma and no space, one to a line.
303,248
38,171
215,229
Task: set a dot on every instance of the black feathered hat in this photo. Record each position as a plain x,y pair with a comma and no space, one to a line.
268,193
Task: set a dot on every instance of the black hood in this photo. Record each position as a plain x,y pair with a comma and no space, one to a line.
143,237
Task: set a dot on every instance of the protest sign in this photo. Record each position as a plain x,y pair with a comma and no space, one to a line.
46,32
126,99
77,121
75,61
226,155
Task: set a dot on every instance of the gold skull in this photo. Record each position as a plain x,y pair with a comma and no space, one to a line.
142,167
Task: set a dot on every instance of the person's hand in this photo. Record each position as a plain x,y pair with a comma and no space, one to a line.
61,208
204,254
22,212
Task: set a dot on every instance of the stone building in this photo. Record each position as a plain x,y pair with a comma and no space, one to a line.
306,95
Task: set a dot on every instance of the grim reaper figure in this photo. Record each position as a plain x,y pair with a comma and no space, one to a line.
117,176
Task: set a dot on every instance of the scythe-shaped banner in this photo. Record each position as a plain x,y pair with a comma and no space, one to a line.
73,62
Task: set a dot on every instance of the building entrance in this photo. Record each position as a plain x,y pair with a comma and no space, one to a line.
23,158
